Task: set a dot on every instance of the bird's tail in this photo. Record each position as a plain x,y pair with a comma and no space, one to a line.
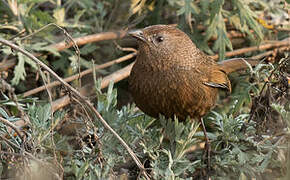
236,64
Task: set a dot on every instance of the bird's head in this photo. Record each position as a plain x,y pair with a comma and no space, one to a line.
162,40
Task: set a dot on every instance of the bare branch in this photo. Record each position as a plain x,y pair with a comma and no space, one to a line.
88,71
285,42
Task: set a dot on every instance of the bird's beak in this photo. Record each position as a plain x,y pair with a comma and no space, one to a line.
138,34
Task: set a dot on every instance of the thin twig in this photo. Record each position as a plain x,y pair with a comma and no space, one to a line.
42,74
89,39
268,53
117,76
114,77
68,40
254,48
37,31
125,49
60,103
88,71
73,41
82,99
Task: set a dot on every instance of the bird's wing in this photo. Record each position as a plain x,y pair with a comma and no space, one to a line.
218,79
211,75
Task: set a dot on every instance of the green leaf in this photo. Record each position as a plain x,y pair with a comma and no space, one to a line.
222,41
74,62
28,60
247,16
188,8
59,16
3,113
82,170
204,5
35,19
6,50
51,50
265,162
19,71
216,7
44,112
111,96
88,48
281,109
39,46
215,11
43,17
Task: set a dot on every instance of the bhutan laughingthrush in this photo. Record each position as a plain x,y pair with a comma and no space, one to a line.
171,76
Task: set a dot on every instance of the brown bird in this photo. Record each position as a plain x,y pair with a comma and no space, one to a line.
171,76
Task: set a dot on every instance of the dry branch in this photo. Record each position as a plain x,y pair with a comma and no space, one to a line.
276,44
117,76
76,76
268,53
114,77
79,41
89,39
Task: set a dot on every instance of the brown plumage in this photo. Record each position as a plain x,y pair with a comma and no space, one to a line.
171,76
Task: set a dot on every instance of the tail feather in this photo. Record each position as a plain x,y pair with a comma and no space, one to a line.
237,64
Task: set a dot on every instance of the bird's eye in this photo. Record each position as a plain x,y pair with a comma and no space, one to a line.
159,39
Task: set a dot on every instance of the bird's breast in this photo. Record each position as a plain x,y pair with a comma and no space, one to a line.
149,88
170,92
